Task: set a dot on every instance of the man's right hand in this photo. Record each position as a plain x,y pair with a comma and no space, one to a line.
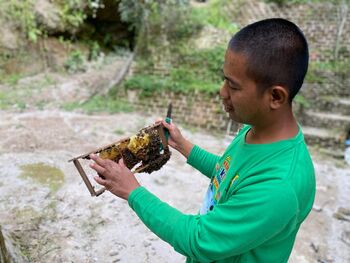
176,140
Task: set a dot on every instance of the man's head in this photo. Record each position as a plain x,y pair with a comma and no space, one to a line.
276,52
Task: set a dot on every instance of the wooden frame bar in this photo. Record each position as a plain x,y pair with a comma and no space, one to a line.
90,187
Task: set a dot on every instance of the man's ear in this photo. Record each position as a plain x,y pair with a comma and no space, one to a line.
278,96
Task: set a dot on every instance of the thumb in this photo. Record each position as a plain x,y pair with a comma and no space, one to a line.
166,125
121,163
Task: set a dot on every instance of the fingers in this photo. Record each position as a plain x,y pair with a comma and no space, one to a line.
99,169
98,160
167,125
100,181
158,120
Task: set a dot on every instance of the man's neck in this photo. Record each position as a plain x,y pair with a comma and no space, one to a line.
284,128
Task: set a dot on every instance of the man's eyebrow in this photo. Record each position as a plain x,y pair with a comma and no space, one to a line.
232,81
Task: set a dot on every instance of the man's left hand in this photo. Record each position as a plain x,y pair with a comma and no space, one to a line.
116,177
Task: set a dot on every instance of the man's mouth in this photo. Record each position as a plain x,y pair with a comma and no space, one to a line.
228,108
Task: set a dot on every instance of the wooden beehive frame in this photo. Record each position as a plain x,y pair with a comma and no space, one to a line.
91,188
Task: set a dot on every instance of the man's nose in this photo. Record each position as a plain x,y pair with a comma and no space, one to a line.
223,92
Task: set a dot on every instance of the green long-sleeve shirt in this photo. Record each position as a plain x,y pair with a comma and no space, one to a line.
258,196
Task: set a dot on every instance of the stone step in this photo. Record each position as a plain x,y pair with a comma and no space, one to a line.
326,138
333,105
330,88
333,121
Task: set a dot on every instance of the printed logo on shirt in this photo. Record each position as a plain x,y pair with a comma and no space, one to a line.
213,194
233,180
209,201
226,165
217,196
222,174
216,183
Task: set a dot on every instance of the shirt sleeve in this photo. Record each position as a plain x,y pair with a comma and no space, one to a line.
202,160
246,220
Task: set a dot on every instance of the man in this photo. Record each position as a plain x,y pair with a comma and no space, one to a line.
263,186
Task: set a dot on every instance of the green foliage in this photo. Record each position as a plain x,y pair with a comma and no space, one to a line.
22,14
205,63
76,62
13,95
10,79
95,51
161,37
301,100
200,70
317,69
148,84
338,67
138,13
72,12
216,14
284,2
159,23
13,99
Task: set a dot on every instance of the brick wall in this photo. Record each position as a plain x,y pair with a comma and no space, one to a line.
195,109
319,22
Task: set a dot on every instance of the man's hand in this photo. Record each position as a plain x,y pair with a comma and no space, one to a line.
116,177
176,140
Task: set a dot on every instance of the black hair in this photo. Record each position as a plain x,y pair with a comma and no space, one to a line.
276,51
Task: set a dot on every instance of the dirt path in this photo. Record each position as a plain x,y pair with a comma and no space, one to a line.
58,221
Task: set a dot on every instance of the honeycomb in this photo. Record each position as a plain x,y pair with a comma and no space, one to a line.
144,149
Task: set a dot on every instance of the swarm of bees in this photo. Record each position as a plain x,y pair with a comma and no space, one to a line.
143,152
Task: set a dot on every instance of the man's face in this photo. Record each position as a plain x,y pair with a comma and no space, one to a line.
239,93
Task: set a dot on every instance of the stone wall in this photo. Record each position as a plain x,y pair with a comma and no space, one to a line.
319,22
195,109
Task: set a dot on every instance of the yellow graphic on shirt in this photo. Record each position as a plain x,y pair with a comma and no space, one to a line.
227,162
234,179
216,183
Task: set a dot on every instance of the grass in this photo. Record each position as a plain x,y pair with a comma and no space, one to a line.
11,79
13,95
44,174
13,99
188,69
200,70
216,14
100,104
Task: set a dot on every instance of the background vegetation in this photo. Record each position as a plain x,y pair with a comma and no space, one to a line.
164,41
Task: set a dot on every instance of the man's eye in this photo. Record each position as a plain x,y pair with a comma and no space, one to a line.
231,85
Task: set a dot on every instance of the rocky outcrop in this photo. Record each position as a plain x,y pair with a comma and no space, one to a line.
59,28
9,38
49,16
